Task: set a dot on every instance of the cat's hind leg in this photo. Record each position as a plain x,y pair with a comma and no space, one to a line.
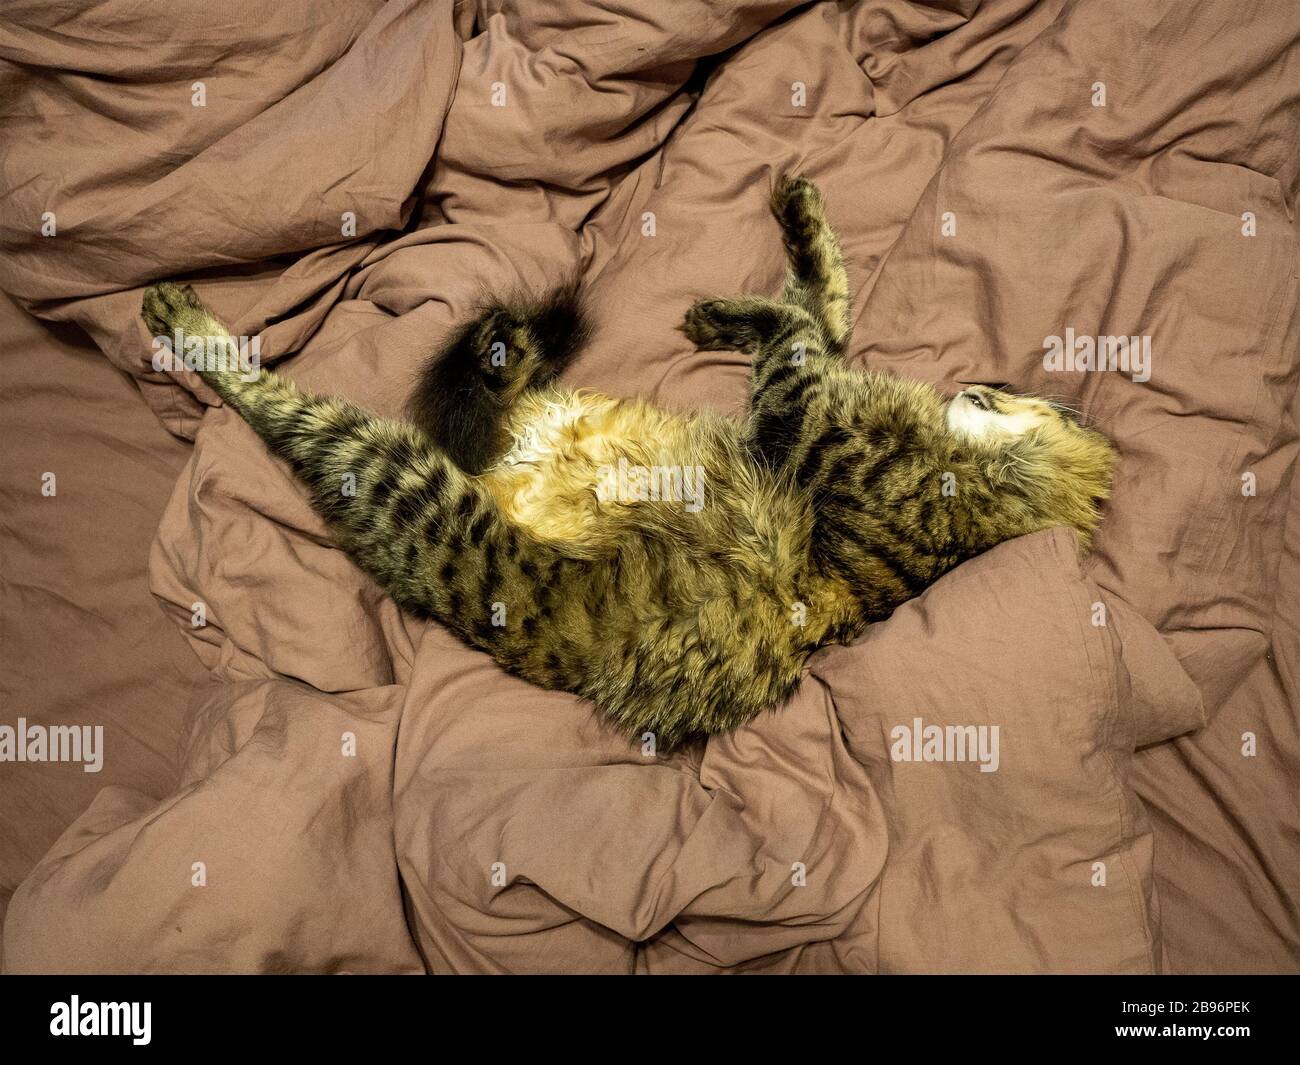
175,313
468,387
397,503
817,280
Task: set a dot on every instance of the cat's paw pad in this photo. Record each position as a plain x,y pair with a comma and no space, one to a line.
167,307
706,324
797,204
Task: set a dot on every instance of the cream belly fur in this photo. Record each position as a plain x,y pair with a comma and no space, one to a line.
562,442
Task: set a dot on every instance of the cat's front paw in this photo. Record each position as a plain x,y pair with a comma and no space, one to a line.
167,307
707,325
741,323
797,204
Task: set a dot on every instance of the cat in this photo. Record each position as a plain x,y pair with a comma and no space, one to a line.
550,527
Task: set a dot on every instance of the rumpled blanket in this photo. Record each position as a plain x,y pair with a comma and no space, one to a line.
360,792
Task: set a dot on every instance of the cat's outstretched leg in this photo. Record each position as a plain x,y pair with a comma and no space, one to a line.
816,284
466,390
794,341
817,280
429,533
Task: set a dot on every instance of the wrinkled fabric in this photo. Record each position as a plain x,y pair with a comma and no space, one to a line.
359,792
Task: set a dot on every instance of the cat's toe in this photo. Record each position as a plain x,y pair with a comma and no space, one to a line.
163,305
702,324
795,201
155,308
167,307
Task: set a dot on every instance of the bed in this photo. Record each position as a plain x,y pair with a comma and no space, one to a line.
297,777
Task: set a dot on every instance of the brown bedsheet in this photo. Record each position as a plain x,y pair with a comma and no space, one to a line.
359,792
81,639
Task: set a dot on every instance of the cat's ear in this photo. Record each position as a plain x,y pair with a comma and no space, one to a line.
1002,472
1017,467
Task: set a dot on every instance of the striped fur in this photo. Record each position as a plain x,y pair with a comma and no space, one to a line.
465,392
839,495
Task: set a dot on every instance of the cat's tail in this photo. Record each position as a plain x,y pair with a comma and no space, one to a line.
431,535
464,394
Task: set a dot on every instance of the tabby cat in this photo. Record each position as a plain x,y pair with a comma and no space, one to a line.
675,569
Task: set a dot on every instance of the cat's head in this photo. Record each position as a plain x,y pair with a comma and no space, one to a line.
1034,450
